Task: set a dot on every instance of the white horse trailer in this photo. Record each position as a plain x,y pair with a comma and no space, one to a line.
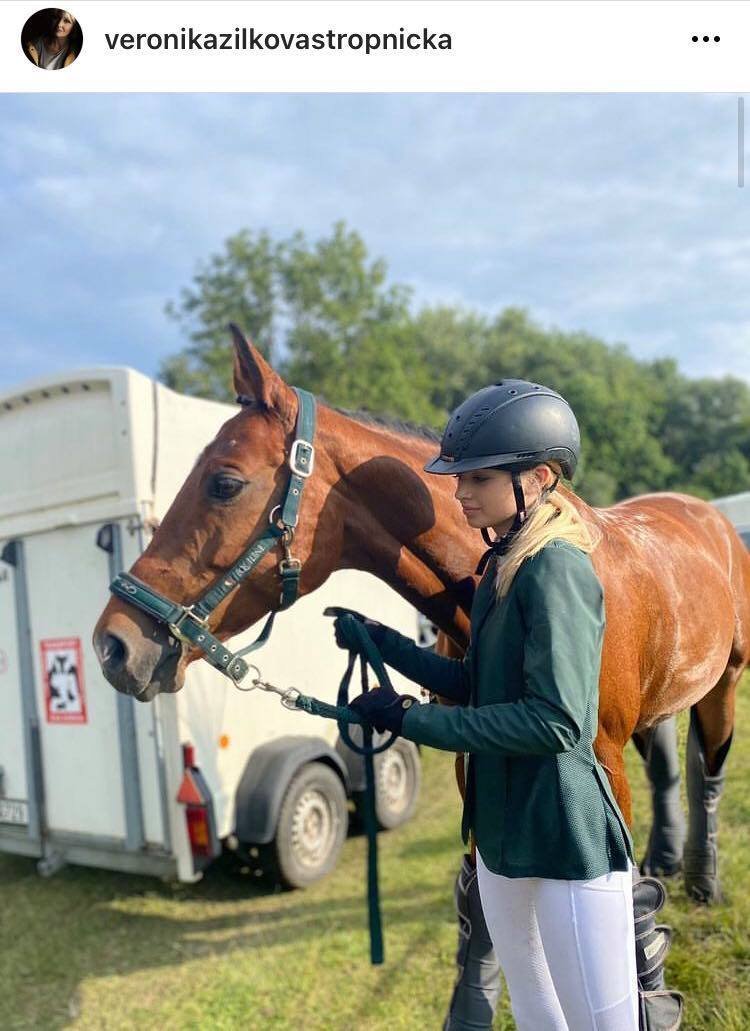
88,461
736,507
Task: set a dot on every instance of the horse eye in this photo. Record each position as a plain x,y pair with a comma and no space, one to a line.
223,487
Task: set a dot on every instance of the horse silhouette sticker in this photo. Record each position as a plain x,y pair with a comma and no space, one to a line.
62,668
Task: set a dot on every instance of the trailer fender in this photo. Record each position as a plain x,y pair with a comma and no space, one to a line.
354,763
266,777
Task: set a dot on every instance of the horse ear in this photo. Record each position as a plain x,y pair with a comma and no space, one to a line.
254,378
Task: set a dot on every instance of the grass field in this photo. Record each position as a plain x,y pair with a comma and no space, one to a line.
89,949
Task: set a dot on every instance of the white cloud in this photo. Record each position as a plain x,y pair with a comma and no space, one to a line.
613,213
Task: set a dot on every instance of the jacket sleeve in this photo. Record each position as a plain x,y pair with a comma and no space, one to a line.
450,678
562,606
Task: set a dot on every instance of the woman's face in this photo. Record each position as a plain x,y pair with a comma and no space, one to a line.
64,25
487,498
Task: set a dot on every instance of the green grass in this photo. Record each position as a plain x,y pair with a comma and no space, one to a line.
91,949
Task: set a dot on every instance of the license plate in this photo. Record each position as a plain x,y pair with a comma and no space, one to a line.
13,811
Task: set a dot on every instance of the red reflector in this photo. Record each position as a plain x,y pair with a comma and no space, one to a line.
190,793
198,830
195,795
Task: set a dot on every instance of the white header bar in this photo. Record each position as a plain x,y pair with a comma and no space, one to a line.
529,46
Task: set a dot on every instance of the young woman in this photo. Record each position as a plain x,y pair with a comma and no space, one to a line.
59,46
554,855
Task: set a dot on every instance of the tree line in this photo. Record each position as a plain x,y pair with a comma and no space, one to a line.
326,315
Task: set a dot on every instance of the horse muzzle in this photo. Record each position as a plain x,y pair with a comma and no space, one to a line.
138,656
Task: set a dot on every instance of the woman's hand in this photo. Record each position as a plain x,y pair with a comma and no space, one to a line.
383,708
342,628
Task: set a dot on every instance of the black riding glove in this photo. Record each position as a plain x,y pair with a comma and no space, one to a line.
383,709
344,638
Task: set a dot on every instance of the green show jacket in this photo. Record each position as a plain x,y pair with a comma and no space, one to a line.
537,800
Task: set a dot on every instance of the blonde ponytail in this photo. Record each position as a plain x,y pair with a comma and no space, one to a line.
556,518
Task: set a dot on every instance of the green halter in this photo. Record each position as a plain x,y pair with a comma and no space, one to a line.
189,623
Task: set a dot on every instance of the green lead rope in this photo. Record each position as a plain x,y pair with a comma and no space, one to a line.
345,717
343,714
331,712
374,916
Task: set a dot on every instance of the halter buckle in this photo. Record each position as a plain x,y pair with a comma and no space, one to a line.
302,464
290,563
187,613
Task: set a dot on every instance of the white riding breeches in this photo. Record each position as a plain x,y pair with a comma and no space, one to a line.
566,948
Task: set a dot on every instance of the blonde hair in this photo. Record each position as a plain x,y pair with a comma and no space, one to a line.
555,519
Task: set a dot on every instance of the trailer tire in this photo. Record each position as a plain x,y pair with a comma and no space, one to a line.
398,776
312,826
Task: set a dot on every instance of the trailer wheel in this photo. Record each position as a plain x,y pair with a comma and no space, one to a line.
397,777
311,831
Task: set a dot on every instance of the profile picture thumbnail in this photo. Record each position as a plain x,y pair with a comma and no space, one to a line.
52,38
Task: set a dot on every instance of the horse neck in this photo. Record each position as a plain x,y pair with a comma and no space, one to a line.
404,525
400,523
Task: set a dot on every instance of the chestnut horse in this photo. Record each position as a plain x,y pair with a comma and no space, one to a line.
676,576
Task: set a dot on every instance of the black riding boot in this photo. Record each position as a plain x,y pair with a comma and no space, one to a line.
658,749
704,792
659,1009
478,986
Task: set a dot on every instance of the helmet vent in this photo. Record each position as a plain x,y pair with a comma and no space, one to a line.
472,423
512,391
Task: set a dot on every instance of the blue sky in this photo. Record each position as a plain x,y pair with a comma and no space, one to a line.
616,214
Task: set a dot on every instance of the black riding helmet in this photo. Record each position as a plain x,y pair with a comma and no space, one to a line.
512,425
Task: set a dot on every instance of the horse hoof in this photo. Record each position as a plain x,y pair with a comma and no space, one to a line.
704,890
652,867
702,877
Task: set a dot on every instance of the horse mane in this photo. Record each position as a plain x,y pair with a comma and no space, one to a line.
404,427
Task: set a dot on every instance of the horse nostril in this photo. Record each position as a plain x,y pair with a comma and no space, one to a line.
113,653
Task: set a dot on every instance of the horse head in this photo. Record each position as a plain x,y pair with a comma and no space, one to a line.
229,499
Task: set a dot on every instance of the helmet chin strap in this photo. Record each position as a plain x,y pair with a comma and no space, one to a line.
501,545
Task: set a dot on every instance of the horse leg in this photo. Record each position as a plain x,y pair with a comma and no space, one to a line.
478,986
709,740
658,749
658,1006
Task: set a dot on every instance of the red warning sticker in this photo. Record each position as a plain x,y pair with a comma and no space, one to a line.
62,669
